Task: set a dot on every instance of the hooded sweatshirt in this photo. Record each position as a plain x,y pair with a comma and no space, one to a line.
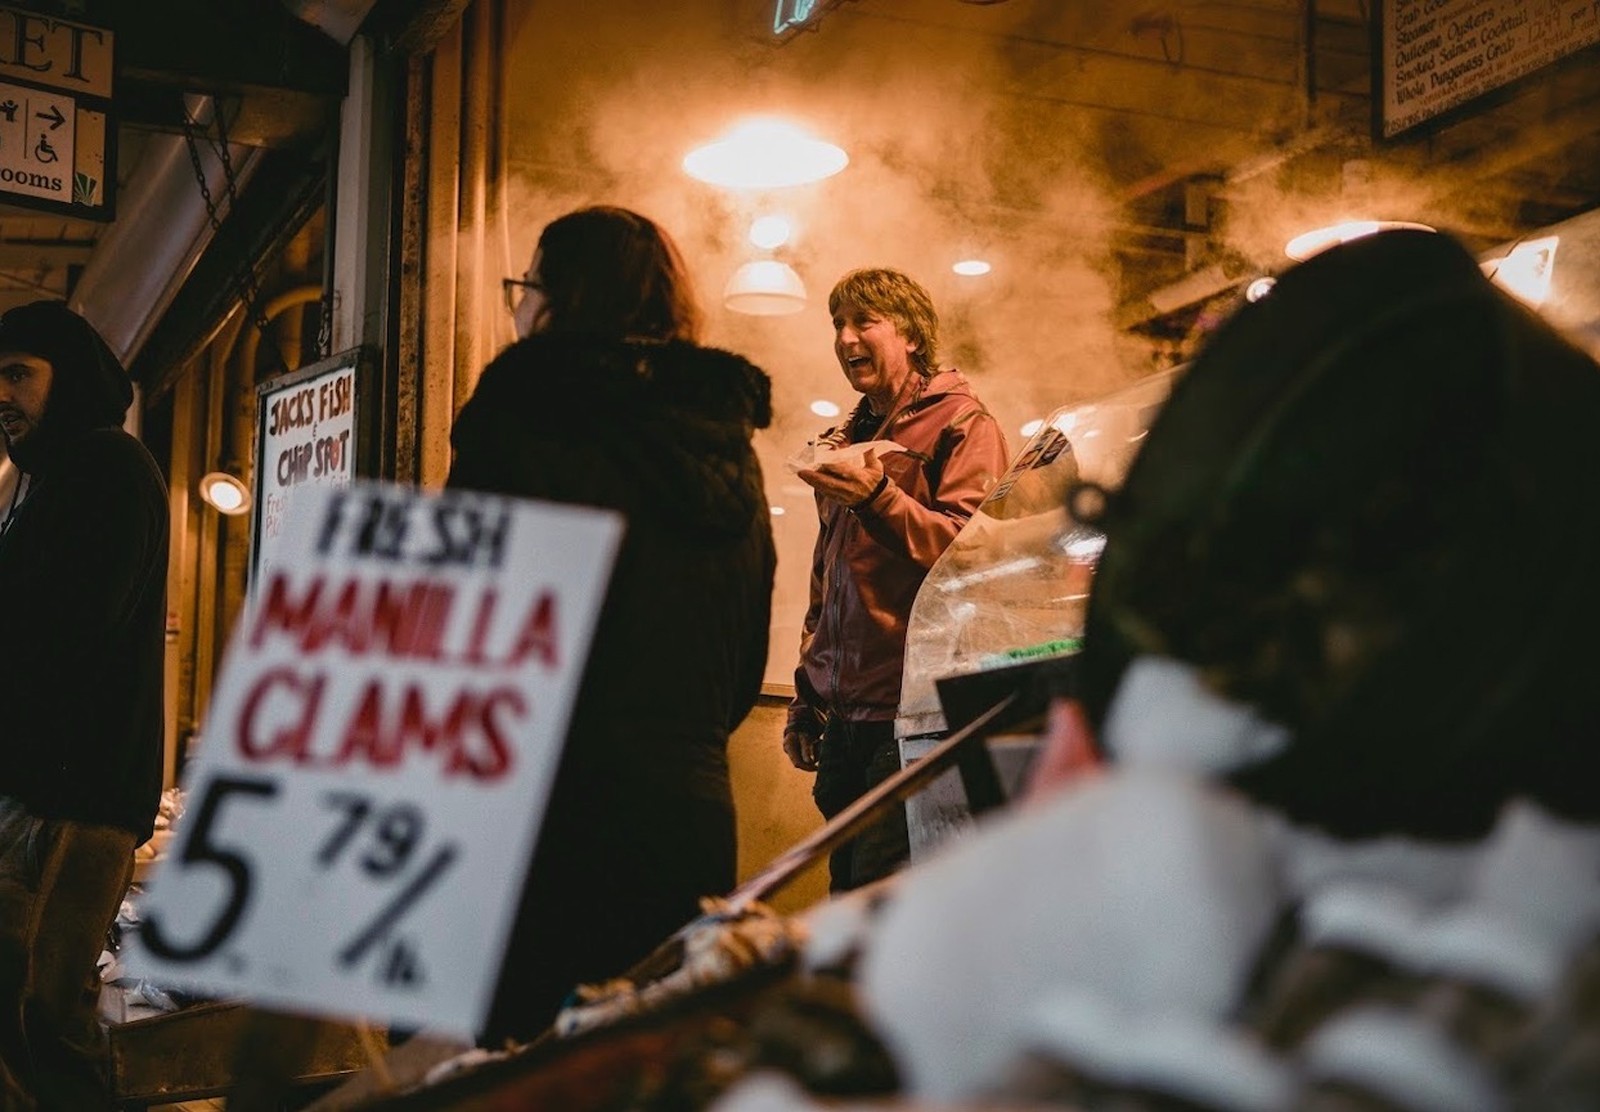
83,576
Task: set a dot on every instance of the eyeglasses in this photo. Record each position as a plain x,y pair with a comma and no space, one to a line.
512,288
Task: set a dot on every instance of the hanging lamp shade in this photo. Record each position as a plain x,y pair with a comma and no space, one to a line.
765,288
764,154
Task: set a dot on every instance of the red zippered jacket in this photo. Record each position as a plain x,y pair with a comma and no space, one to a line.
869,562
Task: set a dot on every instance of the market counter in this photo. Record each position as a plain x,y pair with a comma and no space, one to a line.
192,1053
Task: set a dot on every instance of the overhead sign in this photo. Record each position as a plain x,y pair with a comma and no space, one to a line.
306,435
1435,55
57,144
377,756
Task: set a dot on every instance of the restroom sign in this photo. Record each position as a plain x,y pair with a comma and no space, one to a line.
57,144
36,143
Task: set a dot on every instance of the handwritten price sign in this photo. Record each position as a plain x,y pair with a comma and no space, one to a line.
378,754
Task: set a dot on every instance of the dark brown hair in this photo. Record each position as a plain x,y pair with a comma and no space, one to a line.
608,271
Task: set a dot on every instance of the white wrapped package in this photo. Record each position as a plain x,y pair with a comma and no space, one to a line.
815,455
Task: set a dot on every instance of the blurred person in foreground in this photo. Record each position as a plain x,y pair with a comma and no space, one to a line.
608,400
883,523
1339,662
83,565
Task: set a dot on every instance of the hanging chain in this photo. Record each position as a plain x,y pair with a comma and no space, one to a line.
245,276
325,326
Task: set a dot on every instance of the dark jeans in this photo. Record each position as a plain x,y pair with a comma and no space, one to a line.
852,757
60,886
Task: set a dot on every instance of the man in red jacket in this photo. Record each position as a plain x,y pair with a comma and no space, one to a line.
884,521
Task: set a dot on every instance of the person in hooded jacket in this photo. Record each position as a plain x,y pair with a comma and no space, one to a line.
882,523
83,563
607,400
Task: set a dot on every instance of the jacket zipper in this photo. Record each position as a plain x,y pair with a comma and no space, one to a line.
835,608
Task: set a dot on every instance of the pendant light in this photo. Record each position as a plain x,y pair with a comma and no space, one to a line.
764,153
765,288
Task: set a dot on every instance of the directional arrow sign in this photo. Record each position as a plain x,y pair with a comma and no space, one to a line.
37,143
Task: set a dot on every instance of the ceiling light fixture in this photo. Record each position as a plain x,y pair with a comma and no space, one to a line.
764,153
765,288
1526,272
1259,288
971,268
770,231
824,408
225,493
1303,246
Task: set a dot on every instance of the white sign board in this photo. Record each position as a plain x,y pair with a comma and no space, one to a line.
305,438
1435,55
378,753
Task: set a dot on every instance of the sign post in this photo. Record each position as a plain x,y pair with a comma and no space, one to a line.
378,753
57,144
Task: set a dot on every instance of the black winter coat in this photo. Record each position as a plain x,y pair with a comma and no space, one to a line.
640,820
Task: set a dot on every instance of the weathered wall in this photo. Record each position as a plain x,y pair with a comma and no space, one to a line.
773,799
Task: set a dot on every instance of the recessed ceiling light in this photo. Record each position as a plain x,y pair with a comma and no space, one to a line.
971,268
824,408
764,154
778,511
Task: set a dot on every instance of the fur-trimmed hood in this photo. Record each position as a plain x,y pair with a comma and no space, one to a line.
672,419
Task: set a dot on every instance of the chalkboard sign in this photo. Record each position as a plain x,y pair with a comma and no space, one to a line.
1435,55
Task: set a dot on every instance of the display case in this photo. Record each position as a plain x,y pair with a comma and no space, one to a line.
1012,587
1013,584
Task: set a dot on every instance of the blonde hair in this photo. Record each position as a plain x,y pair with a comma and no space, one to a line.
898,297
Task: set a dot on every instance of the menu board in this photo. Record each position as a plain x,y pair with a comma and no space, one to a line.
306,433
1434,55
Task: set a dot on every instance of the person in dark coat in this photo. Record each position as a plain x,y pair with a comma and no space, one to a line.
83,564
608,401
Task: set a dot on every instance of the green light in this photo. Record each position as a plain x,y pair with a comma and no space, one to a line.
789,14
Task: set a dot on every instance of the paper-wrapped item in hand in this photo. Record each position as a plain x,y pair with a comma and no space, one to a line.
814,455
